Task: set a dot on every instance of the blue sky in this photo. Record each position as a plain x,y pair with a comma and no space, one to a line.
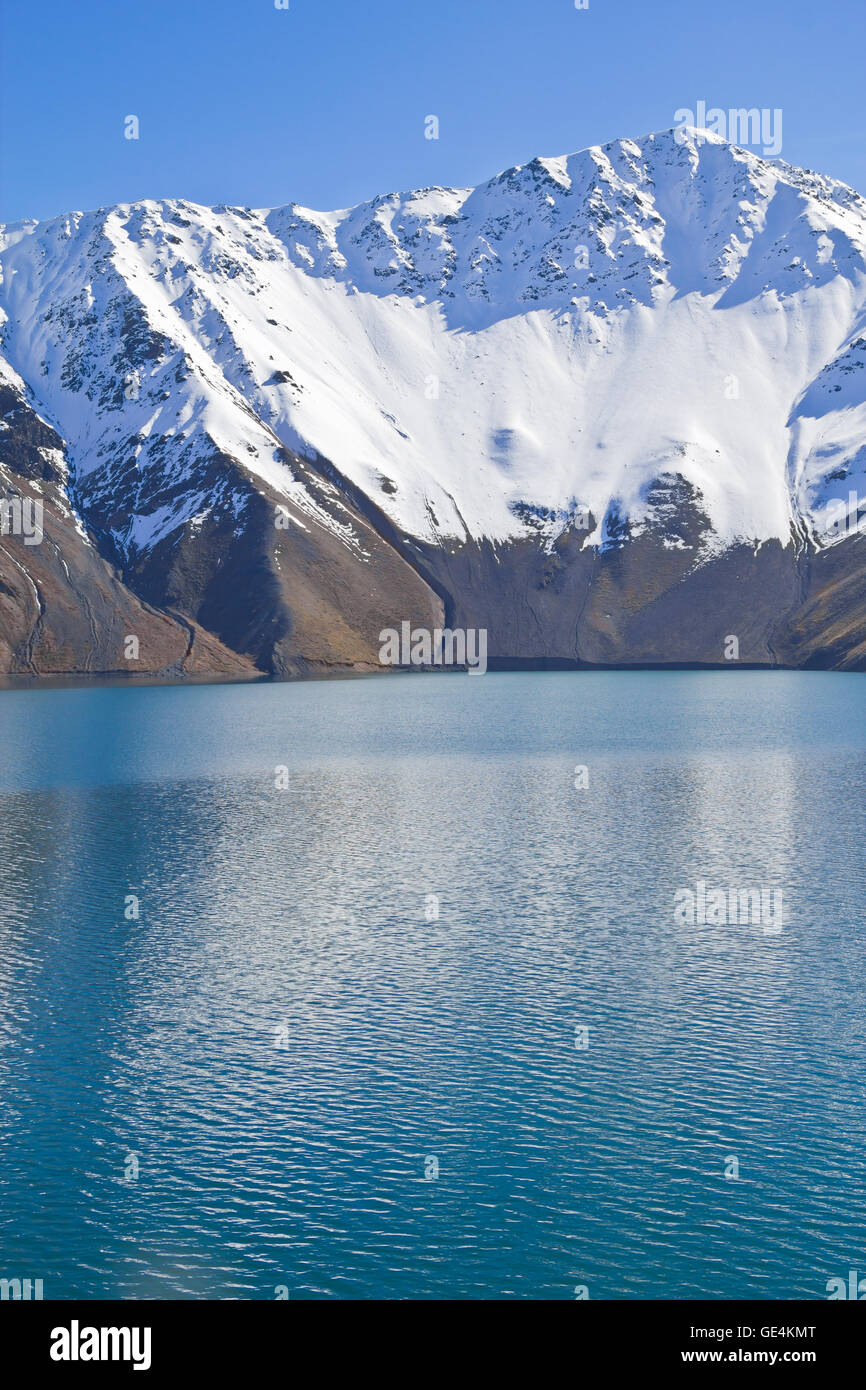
324,103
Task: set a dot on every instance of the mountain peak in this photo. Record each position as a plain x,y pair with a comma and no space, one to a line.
660,267
650,343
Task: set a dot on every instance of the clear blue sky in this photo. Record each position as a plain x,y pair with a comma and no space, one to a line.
324,103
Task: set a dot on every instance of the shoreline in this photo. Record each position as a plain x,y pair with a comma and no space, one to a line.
85,680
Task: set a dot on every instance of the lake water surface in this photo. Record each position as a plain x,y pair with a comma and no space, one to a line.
339,1053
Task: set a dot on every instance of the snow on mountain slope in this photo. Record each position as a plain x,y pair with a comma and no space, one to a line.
489,363
63,607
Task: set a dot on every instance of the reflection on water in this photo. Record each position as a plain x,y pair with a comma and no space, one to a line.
281,1039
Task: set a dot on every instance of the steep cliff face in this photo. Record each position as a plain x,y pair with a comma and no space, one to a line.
280,594
610,407
63,607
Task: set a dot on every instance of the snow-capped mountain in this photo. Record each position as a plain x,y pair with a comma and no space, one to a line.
611,406
63,607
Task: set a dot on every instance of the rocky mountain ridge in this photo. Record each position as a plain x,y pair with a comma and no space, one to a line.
610,407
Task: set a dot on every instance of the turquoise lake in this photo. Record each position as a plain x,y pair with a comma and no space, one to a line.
406,1013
